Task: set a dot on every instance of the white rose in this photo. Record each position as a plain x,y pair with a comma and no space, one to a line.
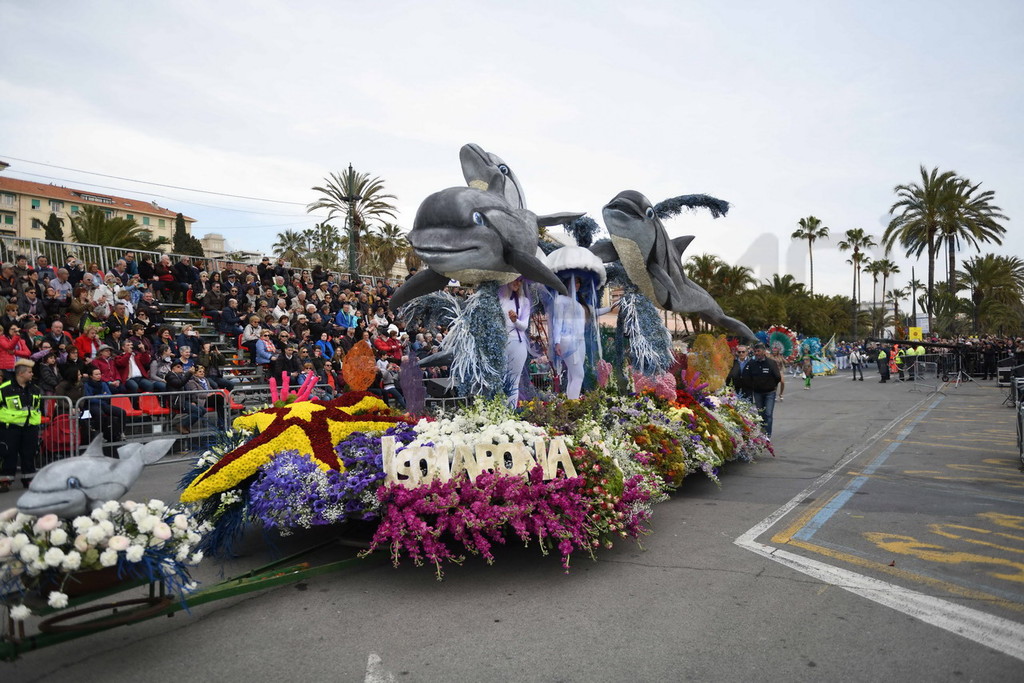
8,514
157,505
18,542
99,514
146,525
82,524
58,537
107,526
119,543
54,557
95,535
20,613
57,600
108,558
180,522
29,553
129,505
37,567
134,553
5,548
72,561
81,543
183,552
197,557
111,506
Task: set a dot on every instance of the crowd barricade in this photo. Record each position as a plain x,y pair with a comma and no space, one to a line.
58,434
924,376
149,416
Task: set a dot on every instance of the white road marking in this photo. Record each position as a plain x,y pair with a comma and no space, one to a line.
375,672
989,630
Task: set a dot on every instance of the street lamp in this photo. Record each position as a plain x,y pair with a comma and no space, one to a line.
352,199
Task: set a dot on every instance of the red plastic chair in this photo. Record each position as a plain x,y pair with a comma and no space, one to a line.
125,404
150,405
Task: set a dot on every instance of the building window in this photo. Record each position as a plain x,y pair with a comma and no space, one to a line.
8,219
145,220
129,216
36,203
74,208
108,213
162,224
55,206
7,199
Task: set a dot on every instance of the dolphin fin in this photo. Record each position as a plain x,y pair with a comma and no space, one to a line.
95,448
423,282
664,282
532,268
681,243
605,250
150,452
564,218
735,326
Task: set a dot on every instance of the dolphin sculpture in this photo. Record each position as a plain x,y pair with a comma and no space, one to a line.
473,236
489,172
75,486
654,262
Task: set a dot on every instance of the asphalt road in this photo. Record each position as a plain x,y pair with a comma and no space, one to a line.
885,542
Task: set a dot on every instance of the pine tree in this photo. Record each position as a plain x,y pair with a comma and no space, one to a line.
54,229
185,243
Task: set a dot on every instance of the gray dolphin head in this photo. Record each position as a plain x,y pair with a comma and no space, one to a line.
630,215
74,486
462,228
485,171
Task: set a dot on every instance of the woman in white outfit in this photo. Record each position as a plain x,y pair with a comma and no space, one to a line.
514,299
567,333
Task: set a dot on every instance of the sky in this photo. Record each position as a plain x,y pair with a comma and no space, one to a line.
784,109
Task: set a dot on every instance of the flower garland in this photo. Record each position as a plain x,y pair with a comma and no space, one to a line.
142,540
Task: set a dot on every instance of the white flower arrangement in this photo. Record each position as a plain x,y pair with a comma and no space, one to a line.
470,430
145,539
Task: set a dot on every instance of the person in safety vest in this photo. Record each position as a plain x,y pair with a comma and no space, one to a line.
20,415
883,365
897,361
911,357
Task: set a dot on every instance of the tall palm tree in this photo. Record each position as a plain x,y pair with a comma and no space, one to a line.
874,269
971,218
895,296
810,229
918,225
856,241
324,244
702,269
292,246
390,244
91,226
358,197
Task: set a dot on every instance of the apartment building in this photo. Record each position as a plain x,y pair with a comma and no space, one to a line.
25,206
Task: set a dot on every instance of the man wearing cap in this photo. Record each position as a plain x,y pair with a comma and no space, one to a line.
20,416
761,376
389,345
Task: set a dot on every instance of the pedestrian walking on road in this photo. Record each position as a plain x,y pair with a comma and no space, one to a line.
761,376
857,363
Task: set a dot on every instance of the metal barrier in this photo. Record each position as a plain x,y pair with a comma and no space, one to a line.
924,376
125,418
57,441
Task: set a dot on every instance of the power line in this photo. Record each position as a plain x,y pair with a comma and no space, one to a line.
146,182
153,194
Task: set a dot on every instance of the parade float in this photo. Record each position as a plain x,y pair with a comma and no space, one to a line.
567,477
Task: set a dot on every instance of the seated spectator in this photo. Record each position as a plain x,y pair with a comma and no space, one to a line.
104,362
266,352
214,361
164,337
133,365
149,306
112,418
389,345
161,365
325,346
120,320
207,397
190,338
186,358
47,374
389,382
230,322
287,362
251,335
12,347
177,380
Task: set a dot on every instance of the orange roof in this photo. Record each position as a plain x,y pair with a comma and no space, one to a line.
71,195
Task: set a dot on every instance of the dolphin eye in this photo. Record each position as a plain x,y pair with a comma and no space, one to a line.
649,213
478,218
74,483
504,169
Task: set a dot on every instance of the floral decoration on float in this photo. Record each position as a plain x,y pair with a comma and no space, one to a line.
568,476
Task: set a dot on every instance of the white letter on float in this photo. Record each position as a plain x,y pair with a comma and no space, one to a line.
558,454
485,459
394,465
438,465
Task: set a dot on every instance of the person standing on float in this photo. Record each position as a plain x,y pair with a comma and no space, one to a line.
516,306
567,330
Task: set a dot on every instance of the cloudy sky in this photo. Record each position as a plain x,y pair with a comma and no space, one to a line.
785,109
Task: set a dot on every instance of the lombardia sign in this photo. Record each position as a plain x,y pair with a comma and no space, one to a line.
412,467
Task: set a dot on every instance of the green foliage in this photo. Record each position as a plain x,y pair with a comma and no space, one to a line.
54,229
91,226
185,243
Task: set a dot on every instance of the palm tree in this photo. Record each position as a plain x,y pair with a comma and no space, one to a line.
923,210
856,240
292,246
810,229
997,286
91,226
874,268
784,285
970,218
360,199
702,269
895,296
324,243
389,243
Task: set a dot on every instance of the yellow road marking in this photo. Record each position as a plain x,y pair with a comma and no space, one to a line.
908,545
941,530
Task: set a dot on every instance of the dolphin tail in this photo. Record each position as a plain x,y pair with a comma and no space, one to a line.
731,324
149,452
423,282
439,358
605,250
532,268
